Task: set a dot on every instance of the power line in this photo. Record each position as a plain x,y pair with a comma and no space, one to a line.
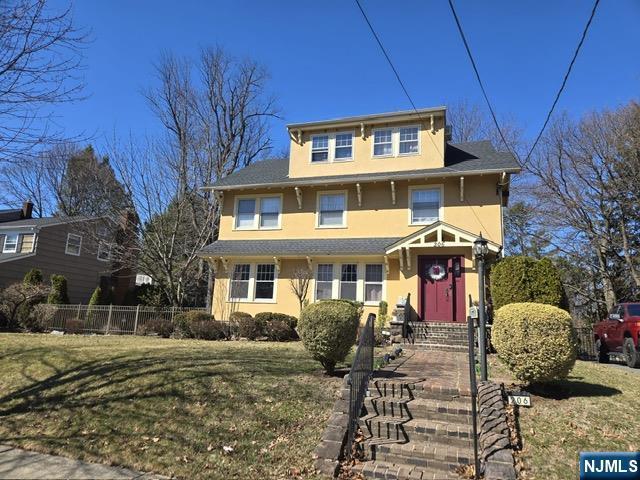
564,81
557,98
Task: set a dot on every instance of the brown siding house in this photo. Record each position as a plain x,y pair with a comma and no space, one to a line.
55,245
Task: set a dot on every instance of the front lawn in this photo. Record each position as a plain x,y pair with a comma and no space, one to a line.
167,406
595,409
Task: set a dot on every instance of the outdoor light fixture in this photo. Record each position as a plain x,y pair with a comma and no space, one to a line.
480,251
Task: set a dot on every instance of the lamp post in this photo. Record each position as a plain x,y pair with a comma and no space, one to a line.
480,250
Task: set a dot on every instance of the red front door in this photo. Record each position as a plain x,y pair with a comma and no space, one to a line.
441,287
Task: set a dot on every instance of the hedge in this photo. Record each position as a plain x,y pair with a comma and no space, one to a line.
523,279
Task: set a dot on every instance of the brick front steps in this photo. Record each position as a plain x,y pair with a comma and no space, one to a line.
418,422
438,336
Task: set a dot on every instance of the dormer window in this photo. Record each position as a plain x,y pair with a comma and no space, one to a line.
320,148
334,147
396,142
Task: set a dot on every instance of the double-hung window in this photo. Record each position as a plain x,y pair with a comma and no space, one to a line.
74,244
373,283
258,213
425,205
104,251
349,281
10,243
324,281
240,281
382,142
320,148
408,143
331,210
344,146
265,281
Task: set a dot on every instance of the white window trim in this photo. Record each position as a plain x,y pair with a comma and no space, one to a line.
102,244
344,213
364,283
256,214
395,141
4,246
433,186
331,157
66,248
357,282
251,290
360,283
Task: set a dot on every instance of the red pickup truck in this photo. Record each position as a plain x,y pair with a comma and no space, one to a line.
619,334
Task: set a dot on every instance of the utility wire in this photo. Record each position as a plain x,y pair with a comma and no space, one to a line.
557,98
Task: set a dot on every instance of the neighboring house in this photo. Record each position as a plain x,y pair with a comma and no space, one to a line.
58,245
375,207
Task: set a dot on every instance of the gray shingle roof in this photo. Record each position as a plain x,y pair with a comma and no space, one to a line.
41,222
306,246
460,158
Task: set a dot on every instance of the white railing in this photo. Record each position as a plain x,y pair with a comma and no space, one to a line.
109,319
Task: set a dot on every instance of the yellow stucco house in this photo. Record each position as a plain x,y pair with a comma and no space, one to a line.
373,207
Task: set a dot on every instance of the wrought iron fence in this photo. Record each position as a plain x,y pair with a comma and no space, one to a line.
358,379
586,343
109,319
473,382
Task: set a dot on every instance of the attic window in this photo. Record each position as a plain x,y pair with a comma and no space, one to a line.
10,243
320,148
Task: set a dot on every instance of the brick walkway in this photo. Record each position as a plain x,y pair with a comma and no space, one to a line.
419,417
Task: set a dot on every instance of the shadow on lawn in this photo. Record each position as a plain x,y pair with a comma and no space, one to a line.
571,388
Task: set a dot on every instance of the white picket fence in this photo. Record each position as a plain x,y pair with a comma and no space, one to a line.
109,319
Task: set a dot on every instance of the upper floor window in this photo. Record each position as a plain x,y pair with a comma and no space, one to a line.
10,243
331,210
320,148
393,142
334,147
104,251
408,142
425,205
382,142
74,244
258,213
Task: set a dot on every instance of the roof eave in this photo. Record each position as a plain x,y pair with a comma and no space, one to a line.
362,179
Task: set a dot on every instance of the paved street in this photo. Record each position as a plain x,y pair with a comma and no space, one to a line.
16,463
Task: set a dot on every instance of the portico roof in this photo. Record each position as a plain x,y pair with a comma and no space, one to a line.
439,234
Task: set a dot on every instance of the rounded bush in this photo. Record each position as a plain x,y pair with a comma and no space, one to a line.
536,341
207,330
524,279
266,317
279,331
159,326
182,323
328,330
251,328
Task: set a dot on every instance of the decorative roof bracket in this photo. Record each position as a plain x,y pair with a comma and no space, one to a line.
393,192
299,136
408,259
462,189
359,190
299,197
362,130
276,261
225,264
433,124
401,258
213,262
386,264
309,263
219,196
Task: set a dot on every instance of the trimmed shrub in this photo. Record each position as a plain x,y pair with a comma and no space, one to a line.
251,328
328,330
183,323
207,330
73,325
235,316
265,317
97,297
33,277
535,341
58,294
523,279
158,326
39,318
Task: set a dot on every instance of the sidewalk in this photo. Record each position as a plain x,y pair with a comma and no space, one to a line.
22,464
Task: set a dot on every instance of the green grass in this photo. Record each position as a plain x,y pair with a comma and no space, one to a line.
167,406
594,409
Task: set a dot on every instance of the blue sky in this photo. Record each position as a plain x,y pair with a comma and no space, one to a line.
324,62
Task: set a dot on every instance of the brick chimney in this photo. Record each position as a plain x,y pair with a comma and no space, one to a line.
27,209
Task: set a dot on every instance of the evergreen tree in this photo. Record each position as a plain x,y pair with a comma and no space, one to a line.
33,277
58,294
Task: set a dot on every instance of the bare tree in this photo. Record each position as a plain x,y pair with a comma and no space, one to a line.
40,60
299,283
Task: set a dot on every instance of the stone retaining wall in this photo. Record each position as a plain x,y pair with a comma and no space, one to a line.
329,452
496,453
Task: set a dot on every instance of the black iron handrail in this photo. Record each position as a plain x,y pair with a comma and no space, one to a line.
474,394
358,379
407,317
